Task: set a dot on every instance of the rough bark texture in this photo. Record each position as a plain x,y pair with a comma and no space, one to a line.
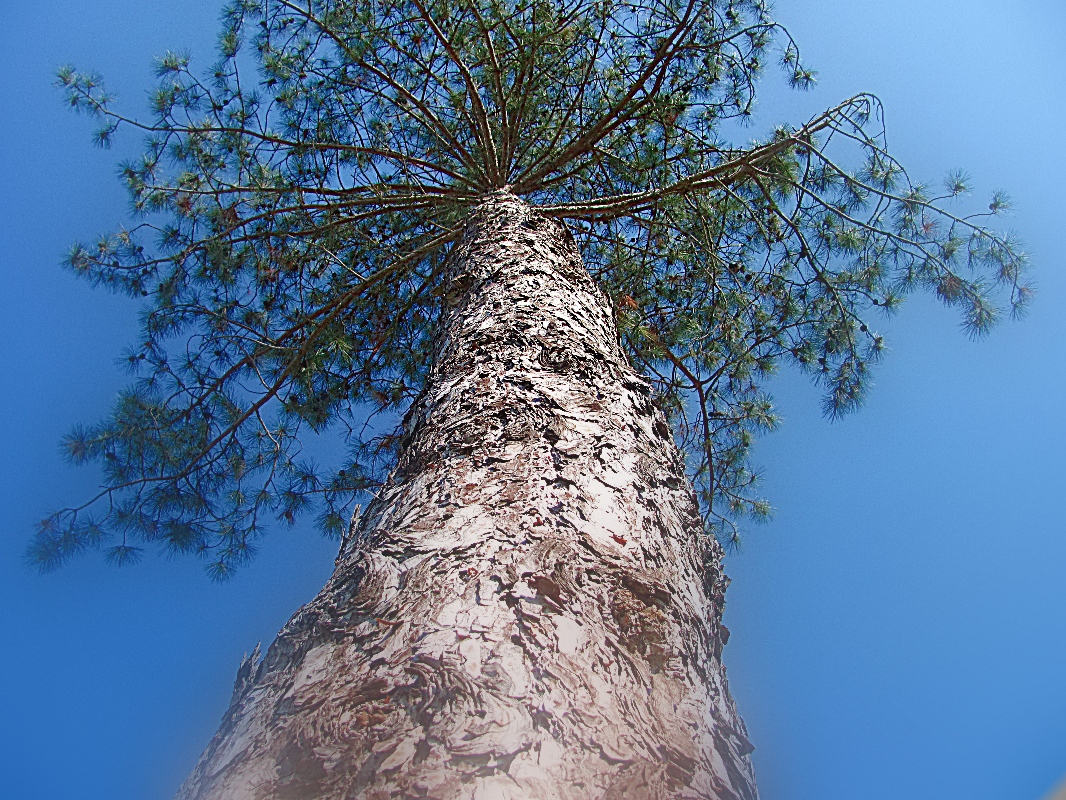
529,609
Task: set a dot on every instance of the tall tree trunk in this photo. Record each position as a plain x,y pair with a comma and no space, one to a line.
529,609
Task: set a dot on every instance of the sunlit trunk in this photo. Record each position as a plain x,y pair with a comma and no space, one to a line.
529,608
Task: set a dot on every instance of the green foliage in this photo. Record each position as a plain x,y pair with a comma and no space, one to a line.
297,202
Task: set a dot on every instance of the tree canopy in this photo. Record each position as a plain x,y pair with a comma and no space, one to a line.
296,202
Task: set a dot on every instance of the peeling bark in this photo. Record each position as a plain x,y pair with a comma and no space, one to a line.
530,608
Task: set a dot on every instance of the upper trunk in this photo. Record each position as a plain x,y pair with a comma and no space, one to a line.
530,607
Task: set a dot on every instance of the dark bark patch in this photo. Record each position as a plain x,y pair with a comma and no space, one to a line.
371,691
369,717
300,773
556,359
642,628
545,587
649,587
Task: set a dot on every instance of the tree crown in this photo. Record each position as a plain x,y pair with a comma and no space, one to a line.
296,205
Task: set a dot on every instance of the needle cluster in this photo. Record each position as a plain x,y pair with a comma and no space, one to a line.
296,204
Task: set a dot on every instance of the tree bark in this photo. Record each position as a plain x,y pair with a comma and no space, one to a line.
529,608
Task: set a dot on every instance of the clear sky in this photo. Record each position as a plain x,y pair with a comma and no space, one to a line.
899,629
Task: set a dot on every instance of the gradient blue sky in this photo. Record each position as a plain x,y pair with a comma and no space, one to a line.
899,629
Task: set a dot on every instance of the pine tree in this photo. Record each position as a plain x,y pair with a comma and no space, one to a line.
507,255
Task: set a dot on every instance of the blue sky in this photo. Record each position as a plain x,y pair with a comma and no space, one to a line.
899,629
